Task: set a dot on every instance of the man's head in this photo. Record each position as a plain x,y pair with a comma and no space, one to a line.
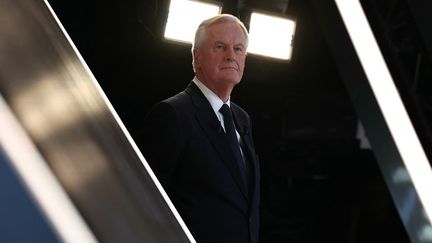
219,52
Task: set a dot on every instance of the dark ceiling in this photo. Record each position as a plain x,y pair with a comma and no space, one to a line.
318,184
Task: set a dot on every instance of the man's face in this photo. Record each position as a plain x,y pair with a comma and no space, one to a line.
221,59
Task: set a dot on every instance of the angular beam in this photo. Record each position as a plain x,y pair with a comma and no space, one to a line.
399,153
61,122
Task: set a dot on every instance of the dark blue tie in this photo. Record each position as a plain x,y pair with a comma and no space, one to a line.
233,141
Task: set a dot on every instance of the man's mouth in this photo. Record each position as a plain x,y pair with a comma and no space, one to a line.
228,68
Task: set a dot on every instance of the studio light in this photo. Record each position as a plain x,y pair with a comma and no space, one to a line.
184,17
271,36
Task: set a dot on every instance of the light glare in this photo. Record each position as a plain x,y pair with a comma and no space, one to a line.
185,16
271,36
40,181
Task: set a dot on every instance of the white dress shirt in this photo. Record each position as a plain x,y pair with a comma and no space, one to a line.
215,102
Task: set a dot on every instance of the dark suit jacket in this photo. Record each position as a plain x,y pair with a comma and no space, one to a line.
186,147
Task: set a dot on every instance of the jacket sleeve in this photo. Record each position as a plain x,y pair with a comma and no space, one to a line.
161,141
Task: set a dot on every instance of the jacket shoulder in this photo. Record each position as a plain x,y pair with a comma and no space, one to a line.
239,111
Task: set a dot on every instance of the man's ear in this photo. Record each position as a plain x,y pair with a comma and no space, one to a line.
196,54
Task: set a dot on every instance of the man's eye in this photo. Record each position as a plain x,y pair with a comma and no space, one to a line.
239,50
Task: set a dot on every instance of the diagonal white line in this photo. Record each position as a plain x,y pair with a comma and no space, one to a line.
390,103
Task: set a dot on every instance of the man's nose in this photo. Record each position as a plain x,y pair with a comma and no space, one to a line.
230,54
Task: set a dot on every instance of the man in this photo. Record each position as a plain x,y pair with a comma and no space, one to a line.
212,180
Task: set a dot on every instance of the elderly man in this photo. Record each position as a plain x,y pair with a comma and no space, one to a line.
199,143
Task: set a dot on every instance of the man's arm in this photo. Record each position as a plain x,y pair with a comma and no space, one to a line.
161,141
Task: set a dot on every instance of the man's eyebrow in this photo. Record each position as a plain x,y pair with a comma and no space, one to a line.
220,42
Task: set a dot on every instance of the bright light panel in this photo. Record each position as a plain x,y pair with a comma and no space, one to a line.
184,17
391,105
271,36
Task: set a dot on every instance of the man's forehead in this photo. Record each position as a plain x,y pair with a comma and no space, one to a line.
237,43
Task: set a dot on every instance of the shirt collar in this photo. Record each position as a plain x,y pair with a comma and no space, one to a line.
214,100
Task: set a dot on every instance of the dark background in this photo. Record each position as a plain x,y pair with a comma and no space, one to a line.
318,183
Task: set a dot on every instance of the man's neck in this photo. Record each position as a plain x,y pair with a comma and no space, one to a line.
223,92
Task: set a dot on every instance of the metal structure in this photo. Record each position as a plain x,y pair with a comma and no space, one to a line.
395,143
67,143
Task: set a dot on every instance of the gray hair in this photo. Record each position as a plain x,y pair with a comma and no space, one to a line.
221,18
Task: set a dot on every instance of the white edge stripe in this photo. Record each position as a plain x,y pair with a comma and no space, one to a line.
389,100
40,181
123,128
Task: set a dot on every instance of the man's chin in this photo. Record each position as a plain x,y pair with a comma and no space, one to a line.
232,79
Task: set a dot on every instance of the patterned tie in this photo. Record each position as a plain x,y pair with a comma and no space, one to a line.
233,141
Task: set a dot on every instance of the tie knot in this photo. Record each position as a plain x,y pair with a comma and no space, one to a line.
228,119
225,110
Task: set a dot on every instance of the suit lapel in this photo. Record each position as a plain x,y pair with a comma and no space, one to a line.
210,124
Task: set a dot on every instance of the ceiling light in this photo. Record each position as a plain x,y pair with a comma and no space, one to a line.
271,36
184,17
